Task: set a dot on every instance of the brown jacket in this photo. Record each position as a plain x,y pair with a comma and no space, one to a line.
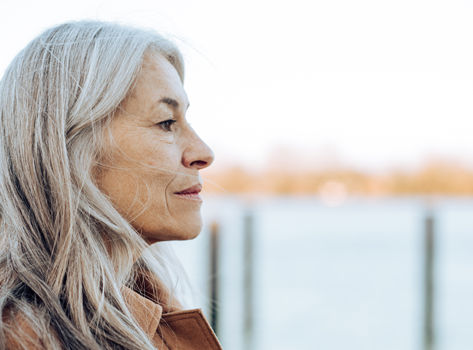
168,328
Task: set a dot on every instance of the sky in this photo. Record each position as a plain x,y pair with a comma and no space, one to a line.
372,84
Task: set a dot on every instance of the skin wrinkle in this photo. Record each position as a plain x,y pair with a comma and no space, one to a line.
144,205
166,199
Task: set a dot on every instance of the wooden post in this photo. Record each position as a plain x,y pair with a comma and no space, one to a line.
214,276
248,281
429,283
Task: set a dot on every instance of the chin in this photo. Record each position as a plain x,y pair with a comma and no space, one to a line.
188,236
181,232
190,232
188,228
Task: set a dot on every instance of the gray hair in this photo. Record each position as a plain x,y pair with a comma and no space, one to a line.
65,251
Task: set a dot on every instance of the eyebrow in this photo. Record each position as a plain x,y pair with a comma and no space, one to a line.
170,102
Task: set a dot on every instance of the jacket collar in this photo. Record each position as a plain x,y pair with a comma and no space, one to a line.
179,326
152,300
146,312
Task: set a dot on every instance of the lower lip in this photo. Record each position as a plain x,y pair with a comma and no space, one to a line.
190,196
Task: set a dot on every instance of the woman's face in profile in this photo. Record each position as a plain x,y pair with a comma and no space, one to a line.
151,170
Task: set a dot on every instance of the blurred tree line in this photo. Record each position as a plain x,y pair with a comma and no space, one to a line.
433,178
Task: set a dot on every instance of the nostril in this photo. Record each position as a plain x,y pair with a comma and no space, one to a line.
198,163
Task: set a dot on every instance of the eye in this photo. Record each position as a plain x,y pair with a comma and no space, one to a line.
167,124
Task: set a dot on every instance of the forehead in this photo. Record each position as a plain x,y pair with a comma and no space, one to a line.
158,79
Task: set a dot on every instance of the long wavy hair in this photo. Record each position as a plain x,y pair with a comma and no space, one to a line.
65,252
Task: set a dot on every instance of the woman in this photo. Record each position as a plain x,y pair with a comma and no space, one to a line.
97,162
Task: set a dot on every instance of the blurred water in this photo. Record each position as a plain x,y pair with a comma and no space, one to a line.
348,277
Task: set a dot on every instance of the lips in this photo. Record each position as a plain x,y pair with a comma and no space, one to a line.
191,193
191,190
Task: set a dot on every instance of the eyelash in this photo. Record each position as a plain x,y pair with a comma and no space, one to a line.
167,124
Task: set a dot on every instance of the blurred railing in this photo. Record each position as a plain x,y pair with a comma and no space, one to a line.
428,297
429,282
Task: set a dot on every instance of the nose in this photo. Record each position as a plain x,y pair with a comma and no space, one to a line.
197,155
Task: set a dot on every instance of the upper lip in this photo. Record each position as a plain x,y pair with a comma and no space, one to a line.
193,189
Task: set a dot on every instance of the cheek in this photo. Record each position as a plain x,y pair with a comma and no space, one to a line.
136,192
138,170
144,151
160,163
